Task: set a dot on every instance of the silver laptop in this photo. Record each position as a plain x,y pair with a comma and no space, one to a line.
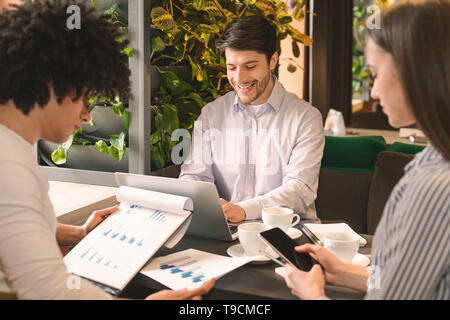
208,218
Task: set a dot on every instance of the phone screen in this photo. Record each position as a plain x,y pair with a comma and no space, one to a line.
285,247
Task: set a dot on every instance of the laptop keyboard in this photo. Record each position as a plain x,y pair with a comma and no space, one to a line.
233,228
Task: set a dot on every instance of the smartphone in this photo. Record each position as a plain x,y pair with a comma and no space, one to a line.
309,234
279,241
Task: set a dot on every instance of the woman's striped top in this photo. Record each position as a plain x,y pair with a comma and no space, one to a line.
411,246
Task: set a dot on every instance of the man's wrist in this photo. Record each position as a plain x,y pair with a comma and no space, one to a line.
243,213
251,208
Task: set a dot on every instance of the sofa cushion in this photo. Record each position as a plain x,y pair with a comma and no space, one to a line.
405,148
342,196
352,152
388,171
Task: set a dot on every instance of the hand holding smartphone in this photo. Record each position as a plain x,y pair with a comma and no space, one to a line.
282,244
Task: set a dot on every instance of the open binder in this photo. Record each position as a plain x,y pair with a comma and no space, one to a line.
112,253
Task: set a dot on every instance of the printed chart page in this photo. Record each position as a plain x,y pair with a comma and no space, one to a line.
118,248
190,268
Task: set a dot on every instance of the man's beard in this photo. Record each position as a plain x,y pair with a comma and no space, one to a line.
259,88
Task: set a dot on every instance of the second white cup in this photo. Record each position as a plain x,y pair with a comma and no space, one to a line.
249,239
342,244
280,217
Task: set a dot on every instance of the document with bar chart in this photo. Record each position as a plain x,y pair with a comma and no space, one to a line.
120,246
190,268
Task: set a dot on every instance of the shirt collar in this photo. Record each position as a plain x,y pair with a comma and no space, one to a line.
428,156
275,98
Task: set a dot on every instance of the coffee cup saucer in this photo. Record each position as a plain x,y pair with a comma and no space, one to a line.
294,233
361,260
237,251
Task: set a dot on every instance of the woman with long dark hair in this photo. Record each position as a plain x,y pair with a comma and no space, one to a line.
409,60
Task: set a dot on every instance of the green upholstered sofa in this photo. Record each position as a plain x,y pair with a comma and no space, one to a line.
356,178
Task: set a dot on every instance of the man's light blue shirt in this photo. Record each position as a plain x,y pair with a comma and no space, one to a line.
271,159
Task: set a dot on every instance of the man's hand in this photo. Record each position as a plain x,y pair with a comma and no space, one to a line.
183,294
95,218
233,212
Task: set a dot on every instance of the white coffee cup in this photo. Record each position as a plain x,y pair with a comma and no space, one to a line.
342,244
280,217
250,241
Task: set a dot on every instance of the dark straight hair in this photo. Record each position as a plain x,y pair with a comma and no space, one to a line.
417,35
249,33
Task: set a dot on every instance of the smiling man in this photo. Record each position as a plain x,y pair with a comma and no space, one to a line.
261,145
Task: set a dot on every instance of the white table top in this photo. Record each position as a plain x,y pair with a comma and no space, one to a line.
74,202
390,136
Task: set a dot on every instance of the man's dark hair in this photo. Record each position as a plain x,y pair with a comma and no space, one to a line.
38,51
249,33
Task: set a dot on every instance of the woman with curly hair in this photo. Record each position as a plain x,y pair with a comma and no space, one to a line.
48,72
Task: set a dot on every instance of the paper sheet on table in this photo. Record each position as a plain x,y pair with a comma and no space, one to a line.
320,229
117,248
190,268
155,200
406,132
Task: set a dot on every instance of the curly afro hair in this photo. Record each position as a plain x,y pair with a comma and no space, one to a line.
38,51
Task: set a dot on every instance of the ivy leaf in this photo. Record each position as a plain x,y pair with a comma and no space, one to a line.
182,88
129,52
303,38
194,68
157,45
154,138
285,19
101,146
169,80
199,74
295,49
199,4
169,121
157,157
112,10
118,146
58,156
205,82
126,119
118,141
196,98
166,147
66,145
118,108
299,13
85,143
92,123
